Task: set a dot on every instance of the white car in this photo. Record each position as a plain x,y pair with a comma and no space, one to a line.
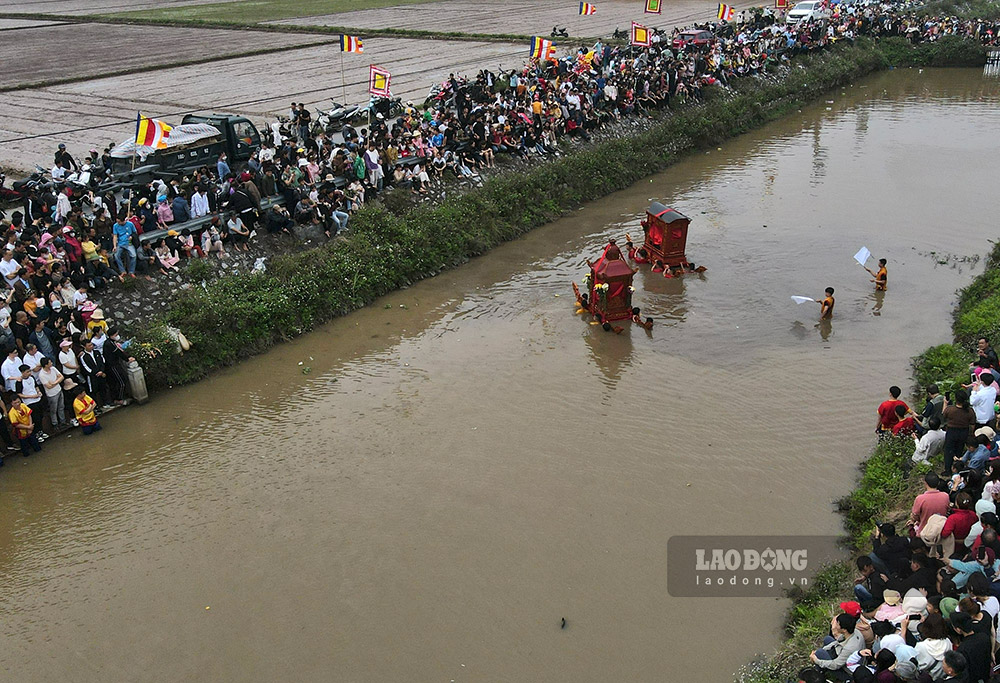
806,11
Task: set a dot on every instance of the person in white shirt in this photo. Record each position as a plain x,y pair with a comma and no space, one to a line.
931,443
51,381
983,398
33,359
9,268
30,392
58,172
99,338
199,203
79,296
67,359
11,369
63,206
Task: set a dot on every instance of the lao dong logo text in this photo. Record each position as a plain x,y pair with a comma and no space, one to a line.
748,566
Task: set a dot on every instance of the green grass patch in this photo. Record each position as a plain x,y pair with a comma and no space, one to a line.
964,9
256,11
946,365
976,315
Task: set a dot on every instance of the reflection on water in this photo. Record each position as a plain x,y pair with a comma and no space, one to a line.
468,462
611,353
878,299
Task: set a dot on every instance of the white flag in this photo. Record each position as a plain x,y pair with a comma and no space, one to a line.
863,255
802,299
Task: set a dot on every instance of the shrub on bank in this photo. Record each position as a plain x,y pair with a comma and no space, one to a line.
946,365
948,51
883,486
976,315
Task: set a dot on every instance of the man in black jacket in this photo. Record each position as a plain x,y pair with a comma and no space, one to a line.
923,576
870,588
893,551
92,363
975,646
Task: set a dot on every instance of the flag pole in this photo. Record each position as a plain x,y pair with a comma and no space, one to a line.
343,83
135,153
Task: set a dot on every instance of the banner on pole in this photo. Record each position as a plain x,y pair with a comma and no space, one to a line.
378,81
641,35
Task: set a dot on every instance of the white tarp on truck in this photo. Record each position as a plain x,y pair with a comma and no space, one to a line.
181,135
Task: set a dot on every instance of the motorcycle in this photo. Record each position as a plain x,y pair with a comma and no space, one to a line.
332,120
559,32
388,107
619,34
442,95
7,194
36,180
80,182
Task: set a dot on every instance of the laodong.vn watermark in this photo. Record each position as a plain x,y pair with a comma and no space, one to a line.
744,566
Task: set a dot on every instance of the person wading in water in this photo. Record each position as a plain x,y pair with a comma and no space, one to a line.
881,277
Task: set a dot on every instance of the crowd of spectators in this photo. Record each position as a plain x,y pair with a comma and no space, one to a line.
925,604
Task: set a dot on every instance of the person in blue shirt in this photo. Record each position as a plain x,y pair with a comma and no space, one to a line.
180,208
976,454
985,563
121,234
222,167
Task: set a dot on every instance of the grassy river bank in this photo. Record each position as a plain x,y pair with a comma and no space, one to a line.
236,316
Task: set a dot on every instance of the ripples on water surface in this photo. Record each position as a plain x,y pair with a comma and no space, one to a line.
459,471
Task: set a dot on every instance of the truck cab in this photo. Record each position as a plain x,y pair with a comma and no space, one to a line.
241,136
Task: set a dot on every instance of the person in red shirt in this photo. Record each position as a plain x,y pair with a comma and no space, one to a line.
906,425
887,417
961,519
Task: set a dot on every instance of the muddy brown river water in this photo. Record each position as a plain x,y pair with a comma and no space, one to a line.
466,462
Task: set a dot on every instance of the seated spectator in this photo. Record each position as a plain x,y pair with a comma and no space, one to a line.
976,456
933,645
961,519
985,563
891,553
905,425
211,241
871,585
277,220
887,415
844,641
168,259
931,443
